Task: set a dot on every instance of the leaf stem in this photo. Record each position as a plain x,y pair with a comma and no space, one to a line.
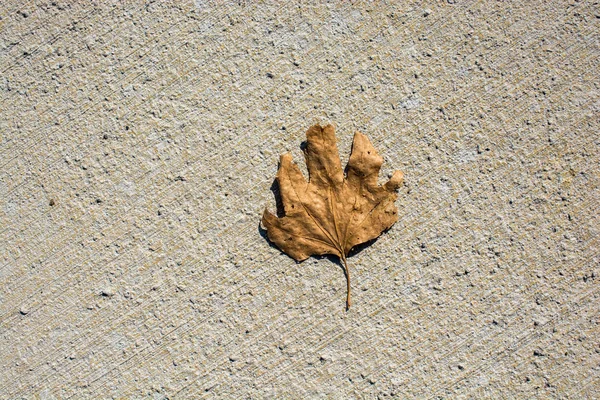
347,282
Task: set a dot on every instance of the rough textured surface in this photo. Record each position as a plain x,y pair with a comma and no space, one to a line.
138,144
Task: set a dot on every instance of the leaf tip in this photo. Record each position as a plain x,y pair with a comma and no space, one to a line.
395,181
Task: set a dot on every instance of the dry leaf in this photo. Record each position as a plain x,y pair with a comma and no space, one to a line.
332,213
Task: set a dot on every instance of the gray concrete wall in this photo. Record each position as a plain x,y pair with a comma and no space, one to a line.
138,145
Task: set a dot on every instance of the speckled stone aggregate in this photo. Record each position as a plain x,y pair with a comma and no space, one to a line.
138,146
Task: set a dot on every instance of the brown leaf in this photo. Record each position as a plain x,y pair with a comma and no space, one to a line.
332,213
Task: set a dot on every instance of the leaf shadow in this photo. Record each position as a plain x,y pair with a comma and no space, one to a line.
263,232
279,212
360,247
304,146
334,259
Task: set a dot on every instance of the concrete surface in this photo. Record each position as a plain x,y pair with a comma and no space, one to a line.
138,145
